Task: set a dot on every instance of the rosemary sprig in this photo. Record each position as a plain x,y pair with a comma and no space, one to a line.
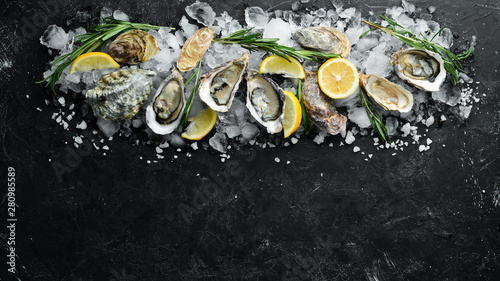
373,116
452,62
305,121
189,102
253,42
91,41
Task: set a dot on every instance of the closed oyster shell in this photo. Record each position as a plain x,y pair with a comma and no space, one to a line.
120,94
389,95
323,39
319,107
217,88
265,101
423,69
194,48
135,46
164,113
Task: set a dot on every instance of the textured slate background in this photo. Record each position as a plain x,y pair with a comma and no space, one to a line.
329,215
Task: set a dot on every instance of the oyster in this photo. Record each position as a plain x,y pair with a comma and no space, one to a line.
194,48
319,107
120,94
164,113
389,95
134,46
218,87
323,39
265,101
423,69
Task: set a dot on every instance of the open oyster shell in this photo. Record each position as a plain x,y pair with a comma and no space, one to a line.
389,95
319,107
194,48
423,69
135,46
217,88
323,39
164,113
265,101
120,94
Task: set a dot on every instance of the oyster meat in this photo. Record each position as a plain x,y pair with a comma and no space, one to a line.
319,107
323,39
423,69
120,94
135,46
265,101
194,48
389,95
217,88
164,113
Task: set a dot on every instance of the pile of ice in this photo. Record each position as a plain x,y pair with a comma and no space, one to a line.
236,128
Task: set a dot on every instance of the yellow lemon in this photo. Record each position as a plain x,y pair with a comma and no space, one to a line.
279,65
293,114
338,78
202,124
93,60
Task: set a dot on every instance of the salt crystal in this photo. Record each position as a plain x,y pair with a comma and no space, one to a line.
406,129
391,124
78,140
158,150
105,147
256,17
429,141
202,12
136,123
429,121
356,149
62,101
277,160
443,118
294,140
349,138
177,141
431,9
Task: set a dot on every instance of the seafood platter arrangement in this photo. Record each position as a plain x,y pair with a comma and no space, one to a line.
278,77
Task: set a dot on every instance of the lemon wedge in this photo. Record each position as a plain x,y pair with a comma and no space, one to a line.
279,65
293,114
93,60
202,124
338,78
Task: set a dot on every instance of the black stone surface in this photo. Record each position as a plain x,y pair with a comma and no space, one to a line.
328,215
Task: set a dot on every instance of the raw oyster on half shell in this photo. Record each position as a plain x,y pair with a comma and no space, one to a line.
265,101
164,113
194,48
389,95
120,94
423,69
319,107
217,88
323,39
135,46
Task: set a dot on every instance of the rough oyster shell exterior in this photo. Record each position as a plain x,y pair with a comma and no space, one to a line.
206,83
120,94
389,95
323,39
319,107
194,48
158,126
423,69
135,46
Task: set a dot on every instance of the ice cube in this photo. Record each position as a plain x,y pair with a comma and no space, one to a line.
277,28
249,131
119,15
391,124
445,38
73,77
177,141
406,129
353,34
358,116
367,43
108,127
172,41
347,13
187,27
256,17
218,142
106,12
349,138
233,131
202,12
409,7
54,37
378,62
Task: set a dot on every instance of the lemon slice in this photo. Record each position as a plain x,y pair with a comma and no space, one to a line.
338,78
202,124
279,65
93,60
293,114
